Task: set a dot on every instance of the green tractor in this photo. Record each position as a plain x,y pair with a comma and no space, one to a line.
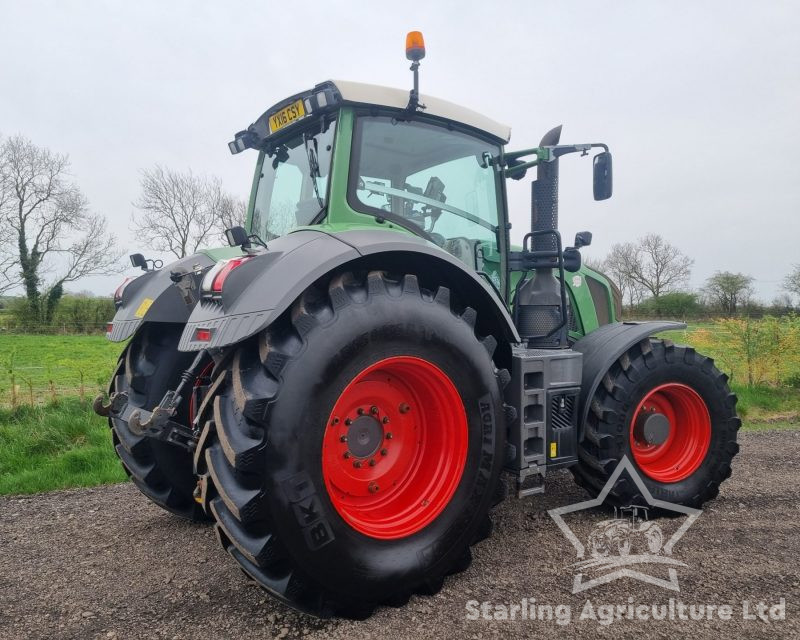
342,388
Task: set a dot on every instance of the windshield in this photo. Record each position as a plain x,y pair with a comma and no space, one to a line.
429,178
293,183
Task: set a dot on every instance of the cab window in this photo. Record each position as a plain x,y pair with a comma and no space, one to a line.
430,178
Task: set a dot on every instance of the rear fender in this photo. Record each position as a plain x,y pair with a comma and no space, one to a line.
258,292
601,349
154,297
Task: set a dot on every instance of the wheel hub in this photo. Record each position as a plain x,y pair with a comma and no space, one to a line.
651,428
364,436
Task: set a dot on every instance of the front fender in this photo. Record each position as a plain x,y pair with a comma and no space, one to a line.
602,347
259,291
153,297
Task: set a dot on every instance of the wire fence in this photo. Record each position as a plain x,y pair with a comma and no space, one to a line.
22,391
59,328
39,367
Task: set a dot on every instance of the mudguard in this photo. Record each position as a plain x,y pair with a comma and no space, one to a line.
153,297
262,288
600,350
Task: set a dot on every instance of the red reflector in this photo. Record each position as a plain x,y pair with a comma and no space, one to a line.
202,335
219,279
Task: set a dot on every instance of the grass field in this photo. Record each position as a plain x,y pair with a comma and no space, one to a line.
62,443
44,365
52,439
54,447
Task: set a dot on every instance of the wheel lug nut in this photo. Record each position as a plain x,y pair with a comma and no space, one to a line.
385,420
389,435
404,407
360,411
373,488
373,410
384,452
357,464
348,421
346,455
335,421
343,439
372,462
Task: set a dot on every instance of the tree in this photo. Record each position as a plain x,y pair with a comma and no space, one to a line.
659,266
728,290
781,304
179,212
46,227
649,265
620,265
791,283
229,210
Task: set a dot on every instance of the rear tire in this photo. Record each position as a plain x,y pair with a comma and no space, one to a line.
277,510
696,457
150,365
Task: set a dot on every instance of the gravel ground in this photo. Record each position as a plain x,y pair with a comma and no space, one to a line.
104,563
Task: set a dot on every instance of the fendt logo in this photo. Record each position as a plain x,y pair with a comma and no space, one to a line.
622,546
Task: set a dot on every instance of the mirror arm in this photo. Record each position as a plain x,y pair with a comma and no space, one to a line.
512,171
543,154
548,153
514,155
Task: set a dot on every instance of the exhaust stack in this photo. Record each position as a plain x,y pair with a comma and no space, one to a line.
539,301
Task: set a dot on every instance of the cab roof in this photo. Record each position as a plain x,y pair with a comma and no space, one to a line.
329,95
362,93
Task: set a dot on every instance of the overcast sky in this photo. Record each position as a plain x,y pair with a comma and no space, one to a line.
699,101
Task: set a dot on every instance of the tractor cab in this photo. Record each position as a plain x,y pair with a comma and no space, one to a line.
347,153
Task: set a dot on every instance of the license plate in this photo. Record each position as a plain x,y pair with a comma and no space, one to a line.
286,116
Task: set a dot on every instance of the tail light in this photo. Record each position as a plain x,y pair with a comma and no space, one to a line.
214,280
203,335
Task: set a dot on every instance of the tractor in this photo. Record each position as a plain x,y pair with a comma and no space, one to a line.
350,386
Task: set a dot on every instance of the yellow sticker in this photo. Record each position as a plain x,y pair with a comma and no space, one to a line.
146,304
553,449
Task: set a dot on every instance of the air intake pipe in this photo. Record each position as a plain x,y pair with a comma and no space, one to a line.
538,304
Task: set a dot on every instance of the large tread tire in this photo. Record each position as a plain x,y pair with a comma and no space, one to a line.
150,365
606,437
260,457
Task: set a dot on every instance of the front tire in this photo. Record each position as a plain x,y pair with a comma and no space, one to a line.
355,453
670,411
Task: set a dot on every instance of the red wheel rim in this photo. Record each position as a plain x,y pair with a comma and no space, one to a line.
395,447
688,438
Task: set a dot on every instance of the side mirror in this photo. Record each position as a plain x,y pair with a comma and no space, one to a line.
237,237
583,239
603,181
137,260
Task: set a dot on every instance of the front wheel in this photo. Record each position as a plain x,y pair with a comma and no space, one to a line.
668,410
355,453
